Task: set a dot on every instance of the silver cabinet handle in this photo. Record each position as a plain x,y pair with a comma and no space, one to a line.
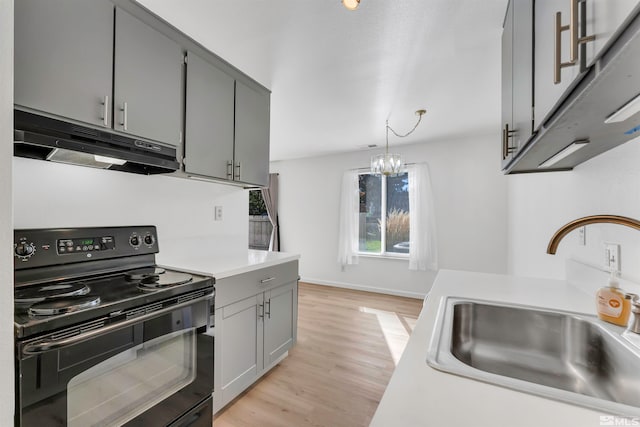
237,176
124,116
41,347
105,112
506,134
261,311
268,313
229,170
575,40
267,280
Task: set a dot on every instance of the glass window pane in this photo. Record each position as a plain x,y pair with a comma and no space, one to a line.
397,231
370,212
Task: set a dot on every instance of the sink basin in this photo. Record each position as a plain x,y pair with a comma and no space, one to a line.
564,356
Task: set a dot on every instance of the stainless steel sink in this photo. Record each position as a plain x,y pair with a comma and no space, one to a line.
560,355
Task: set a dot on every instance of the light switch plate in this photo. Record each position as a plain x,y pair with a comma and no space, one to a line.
582,236
612,256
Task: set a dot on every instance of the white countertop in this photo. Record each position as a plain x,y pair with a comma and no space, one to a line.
419,395
222,264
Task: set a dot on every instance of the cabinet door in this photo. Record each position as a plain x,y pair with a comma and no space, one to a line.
63,58
147,81
251,135
209,119
240,339
522,72
547,93
280,321
507,83
598,18
603,18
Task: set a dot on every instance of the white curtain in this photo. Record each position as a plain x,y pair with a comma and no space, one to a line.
423,253
270,197
349,219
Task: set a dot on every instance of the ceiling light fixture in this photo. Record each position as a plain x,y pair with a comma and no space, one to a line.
392,164
351,4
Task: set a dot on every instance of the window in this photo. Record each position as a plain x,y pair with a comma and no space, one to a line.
259,224
384,214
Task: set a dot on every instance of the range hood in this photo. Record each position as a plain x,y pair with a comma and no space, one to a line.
596,114
45,138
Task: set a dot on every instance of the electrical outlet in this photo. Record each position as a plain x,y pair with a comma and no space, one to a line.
612,256
582,236
218,213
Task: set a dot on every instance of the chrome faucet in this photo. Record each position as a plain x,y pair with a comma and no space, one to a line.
634,326
594,219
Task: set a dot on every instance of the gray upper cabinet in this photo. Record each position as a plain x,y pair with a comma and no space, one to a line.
555,73
226,125
251,161
148,81
585,68
63,58
209,123
517,78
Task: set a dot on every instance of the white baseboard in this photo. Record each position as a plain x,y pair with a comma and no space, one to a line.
396,292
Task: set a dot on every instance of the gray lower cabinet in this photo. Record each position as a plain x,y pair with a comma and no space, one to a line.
227,125
147,81
255,325
64,57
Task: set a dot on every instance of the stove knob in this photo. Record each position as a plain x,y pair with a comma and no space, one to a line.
149,239
134,241
24,250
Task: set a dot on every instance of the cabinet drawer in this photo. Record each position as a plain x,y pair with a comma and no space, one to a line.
235,288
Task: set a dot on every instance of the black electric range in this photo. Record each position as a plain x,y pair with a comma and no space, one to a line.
96,296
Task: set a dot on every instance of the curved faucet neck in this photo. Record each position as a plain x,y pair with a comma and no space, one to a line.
593,219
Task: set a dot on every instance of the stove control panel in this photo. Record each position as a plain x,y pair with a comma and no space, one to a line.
85,244
49,247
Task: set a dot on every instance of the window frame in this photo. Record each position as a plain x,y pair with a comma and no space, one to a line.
383,225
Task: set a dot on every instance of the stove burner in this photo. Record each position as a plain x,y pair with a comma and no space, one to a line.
41,293
63,305
135,275
154,282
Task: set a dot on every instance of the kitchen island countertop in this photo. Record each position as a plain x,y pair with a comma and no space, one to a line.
419,395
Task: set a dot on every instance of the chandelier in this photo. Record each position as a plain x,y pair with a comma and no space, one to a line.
392,164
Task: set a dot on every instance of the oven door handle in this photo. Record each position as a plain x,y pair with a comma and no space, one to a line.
42,347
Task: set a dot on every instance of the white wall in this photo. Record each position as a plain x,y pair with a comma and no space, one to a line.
6,222
539,204
470,197
50,194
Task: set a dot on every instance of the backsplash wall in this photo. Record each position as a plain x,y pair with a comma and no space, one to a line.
541,203
47,194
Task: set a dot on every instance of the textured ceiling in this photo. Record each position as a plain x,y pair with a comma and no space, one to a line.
336,75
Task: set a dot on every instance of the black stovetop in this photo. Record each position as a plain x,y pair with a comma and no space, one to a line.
102,259
116,292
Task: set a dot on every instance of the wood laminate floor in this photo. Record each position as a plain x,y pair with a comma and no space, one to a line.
348,345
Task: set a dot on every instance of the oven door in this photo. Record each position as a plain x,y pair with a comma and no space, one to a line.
148,372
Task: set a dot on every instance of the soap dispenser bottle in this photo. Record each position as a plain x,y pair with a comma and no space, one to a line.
611,303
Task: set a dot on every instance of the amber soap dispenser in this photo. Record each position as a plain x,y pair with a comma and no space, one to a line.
611,303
